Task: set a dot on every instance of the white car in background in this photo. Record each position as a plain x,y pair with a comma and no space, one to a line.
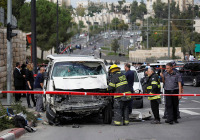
138,100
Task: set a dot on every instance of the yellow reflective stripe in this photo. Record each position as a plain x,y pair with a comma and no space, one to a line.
149,87
117,123
154,97
154,83
158,86
126,96
121,83
117,96
111,84
126,122
127,92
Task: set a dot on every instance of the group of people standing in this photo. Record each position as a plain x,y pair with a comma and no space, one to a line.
123,83
24,80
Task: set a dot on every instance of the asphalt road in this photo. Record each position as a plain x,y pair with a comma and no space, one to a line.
93,128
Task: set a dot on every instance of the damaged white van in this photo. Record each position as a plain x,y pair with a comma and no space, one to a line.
76,73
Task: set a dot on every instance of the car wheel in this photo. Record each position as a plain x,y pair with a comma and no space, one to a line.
51,116
107,114
195,82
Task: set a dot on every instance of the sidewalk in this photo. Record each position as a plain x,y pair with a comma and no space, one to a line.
14,133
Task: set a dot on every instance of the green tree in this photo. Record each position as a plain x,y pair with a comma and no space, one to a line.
114,23
46,23
94,9
134,11
80,11
115,45
16,6
81,24
3,4
122,26
112,8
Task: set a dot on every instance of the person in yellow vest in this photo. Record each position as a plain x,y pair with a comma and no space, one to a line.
118,84
153,87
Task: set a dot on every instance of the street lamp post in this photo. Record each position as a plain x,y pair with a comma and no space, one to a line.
57,43
168,28
148,33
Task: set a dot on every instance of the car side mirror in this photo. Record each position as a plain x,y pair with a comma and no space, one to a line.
45,75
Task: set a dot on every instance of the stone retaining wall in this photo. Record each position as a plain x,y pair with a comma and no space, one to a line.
18,51
156,52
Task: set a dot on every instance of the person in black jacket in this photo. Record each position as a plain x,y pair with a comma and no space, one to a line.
23,71
154,88
130,78
30,83
18,81
118,84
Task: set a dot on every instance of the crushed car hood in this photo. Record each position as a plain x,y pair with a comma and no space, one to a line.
80,82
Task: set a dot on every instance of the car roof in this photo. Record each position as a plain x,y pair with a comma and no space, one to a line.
67,57
155,64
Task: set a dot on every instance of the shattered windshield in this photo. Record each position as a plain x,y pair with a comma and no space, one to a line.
65,69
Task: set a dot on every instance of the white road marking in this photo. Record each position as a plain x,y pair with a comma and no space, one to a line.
196,101
189,112
184,108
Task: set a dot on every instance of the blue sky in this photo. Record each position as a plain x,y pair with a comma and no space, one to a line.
73,2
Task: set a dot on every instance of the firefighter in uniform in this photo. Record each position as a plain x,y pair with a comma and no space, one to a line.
153,87
118,84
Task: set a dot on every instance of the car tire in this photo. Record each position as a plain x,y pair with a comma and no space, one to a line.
51,116
107,114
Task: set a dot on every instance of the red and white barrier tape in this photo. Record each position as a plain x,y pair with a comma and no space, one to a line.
93,93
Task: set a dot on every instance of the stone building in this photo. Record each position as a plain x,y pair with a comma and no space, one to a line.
18,52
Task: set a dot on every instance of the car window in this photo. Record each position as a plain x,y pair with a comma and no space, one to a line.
65,69
136,79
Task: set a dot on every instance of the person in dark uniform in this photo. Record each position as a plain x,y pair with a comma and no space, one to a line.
29,84
130,78
144,81
154,88
23,71
172,85
182,83
18,81
118,84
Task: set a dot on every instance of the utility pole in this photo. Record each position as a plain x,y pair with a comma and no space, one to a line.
9,53
57,42
169,28
148,33
33,34
88,35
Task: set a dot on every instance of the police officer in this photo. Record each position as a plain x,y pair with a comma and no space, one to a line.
154,88
172,81
118,84
182,83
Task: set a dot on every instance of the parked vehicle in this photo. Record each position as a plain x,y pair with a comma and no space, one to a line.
191,73
76,73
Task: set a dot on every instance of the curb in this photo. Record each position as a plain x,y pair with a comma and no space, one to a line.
13,134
